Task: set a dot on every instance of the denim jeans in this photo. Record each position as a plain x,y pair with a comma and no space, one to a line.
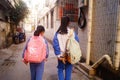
68,70
37,70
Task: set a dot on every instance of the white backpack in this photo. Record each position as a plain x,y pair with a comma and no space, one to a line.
73,50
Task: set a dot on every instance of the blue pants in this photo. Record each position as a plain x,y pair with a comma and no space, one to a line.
37,70
68,70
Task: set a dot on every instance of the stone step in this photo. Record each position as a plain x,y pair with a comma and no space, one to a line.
86,70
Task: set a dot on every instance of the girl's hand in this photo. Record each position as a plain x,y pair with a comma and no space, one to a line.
62,59
26,62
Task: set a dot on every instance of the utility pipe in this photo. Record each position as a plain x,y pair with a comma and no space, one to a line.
117,51
101,60
90,13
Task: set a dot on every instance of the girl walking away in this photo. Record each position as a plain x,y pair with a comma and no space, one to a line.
59,45
35,52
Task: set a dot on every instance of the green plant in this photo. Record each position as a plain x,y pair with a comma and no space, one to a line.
19,13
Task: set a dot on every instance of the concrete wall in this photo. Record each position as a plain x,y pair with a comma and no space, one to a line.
57,14
103,28
45,20
5,36
4,33
83,35
105,32
50,30
1,14
6,29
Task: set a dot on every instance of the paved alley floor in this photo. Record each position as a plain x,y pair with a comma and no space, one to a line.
12,67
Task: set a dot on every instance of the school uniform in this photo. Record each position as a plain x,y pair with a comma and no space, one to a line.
59,43
37,69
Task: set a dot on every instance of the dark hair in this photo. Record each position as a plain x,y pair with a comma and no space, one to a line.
63,26
39,29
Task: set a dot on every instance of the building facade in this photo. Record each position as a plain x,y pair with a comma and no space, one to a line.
101,34
53,11
5,27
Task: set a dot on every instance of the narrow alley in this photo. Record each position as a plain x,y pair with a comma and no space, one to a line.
12,67
96,25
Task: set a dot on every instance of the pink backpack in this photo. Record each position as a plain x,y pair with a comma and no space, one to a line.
36,50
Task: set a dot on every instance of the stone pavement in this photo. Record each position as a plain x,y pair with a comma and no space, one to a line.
12,67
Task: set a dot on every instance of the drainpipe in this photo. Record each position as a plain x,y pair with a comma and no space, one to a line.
101,60
90,13
117,60
117,51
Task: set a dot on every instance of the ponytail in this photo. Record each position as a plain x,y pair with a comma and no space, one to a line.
36,33
39,30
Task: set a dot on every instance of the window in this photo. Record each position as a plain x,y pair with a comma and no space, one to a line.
52,19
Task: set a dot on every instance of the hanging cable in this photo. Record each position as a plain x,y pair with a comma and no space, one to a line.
82,19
